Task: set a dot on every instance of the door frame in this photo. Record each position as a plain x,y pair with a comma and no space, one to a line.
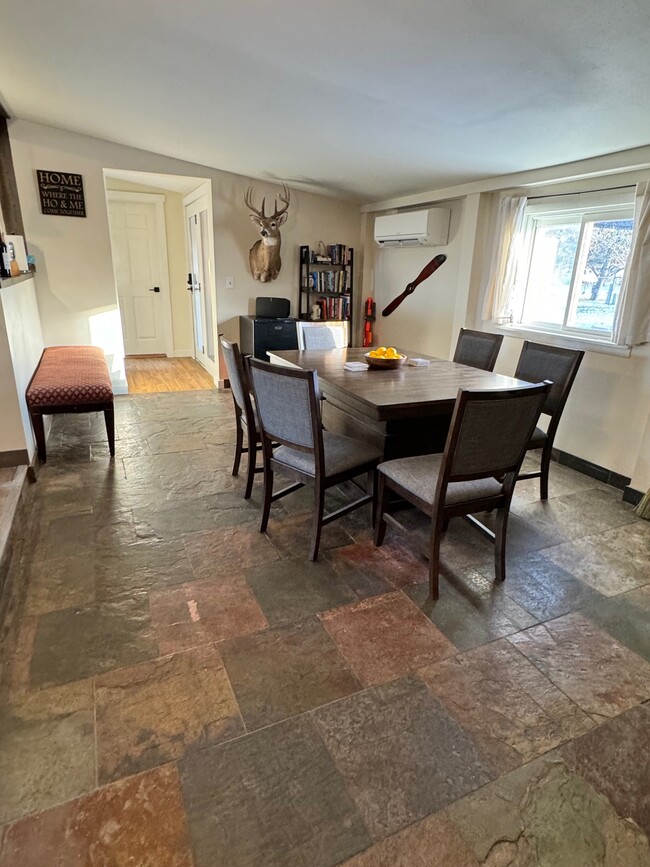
157,199
205,190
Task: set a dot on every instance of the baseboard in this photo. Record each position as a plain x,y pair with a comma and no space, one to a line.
632,496
594,471
14,458
182,353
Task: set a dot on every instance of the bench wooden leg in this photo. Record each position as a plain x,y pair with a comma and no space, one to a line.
39,433
109,418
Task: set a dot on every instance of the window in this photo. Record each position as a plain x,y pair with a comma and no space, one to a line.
571,264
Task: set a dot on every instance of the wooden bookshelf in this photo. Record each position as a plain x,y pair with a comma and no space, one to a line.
329,284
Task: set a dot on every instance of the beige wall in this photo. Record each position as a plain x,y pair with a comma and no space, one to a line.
73,255
176,259
606,418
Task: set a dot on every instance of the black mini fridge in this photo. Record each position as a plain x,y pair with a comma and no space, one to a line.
270,328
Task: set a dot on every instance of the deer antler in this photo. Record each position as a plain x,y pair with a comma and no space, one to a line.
284,197
248,200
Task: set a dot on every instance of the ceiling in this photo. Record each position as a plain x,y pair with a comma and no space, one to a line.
366,99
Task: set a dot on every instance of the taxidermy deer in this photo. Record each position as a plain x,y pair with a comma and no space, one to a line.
264,256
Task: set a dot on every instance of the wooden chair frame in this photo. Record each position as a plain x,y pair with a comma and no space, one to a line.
320,480
555,416
439,512
244,417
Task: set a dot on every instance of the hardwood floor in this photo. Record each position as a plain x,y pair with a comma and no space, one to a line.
150,374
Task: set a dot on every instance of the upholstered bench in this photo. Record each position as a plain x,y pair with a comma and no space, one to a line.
70,379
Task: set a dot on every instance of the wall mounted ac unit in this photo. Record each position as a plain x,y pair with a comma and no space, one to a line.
428,228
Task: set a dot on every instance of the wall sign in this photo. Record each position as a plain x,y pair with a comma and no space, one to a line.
62,193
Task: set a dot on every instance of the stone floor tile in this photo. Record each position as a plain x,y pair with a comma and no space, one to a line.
513,712
543,814
401,754
614,759
364,568
384,637
47,749
138,821
601,676
62,582
471,610
612,562
574,516
561,481
625,617
295,589
79,642
433,842
542,587
284,671
215,552
147,565
273,798
159,710
201,611
291,534
164,443
171,520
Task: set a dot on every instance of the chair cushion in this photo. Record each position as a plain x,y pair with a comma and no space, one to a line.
70,376
538,439
341,454
420,476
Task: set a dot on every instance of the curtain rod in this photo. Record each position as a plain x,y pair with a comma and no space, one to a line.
583,192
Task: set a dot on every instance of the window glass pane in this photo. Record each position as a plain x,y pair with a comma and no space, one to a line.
551,267
605,249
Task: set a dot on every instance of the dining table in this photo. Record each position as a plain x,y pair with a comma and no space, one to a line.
403,412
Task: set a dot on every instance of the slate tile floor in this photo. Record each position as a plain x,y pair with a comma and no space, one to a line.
179,689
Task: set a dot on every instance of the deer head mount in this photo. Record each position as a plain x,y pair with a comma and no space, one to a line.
264,256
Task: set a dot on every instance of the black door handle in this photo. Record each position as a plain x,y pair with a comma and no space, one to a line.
155,289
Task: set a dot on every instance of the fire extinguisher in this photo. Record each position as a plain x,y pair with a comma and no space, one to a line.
369,317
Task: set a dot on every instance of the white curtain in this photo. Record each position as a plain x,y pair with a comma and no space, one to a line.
496,306
633,327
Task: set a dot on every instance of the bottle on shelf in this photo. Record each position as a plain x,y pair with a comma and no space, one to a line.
5,261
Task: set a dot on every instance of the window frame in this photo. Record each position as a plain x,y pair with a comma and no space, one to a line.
582,210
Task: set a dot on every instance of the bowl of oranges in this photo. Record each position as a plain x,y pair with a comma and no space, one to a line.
384,358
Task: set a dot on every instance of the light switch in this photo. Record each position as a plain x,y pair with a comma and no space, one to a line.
230,282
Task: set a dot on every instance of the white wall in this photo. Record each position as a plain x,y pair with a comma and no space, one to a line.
73,255
21,345
606,418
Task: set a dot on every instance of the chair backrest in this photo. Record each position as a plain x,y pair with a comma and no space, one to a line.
287,405
559,366
320,335
490,431
237,376
477,349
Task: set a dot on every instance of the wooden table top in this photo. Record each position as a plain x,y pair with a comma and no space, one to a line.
407,392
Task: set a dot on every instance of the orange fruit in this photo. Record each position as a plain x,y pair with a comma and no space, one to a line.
381,351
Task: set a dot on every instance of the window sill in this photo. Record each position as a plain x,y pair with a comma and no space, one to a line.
566,341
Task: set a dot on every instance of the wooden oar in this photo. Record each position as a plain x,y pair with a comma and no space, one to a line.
427,271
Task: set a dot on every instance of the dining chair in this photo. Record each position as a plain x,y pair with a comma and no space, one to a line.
477,471
559,366
319,335
477,349
287,401
245,413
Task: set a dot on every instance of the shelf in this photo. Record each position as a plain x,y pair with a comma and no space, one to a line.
327,294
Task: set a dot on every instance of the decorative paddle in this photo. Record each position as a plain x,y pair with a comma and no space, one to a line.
427,271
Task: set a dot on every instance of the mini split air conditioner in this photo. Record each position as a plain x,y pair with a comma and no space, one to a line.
428,228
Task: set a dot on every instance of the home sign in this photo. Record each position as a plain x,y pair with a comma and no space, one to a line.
62,193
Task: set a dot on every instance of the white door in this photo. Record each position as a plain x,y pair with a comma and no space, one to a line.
140,265
200,281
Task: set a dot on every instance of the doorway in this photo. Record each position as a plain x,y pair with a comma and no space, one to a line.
169,333
200,278
139,248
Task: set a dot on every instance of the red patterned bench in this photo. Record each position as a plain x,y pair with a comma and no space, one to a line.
70,379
